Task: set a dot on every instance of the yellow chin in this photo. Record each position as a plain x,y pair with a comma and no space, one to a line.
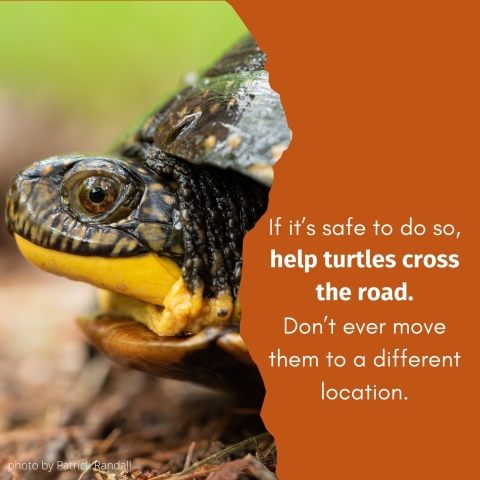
146,277
147,288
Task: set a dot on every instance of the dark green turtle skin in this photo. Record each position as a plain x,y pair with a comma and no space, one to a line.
41,208
188,184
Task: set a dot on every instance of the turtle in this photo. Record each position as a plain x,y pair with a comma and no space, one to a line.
158,223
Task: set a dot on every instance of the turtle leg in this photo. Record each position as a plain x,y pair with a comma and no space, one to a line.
217,209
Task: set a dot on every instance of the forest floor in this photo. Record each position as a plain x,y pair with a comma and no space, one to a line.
68,413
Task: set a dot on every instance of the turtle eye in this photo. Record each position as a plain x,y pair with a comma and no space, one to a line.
97,190
97,194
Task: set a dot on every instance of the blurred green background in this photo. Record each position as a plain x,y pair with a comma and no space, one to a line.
74,75
101,60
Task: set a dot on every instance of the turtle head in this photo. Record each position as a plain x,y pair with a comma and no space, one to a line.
113,223
103,220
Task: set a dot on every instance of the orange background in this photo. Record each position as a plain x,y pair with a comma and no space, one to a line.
383,102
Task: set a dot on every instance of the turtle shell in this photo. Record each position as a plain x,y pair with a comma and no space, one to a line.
230,118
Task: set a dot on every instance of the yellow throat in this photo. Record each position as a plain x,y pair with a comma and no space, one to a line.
157,294
146,277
